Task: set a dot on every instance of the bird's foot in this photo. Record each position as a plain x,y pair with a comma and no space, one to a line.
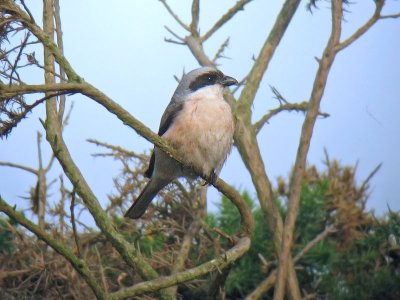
212,178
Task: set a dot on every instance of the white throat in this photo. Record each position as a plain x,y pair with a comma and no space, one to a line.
215,91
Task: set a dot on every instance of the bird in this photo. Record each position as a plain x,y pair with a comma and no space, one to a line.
198,123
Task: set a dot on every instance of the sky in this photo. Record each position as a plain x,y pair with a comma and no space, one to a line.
120,49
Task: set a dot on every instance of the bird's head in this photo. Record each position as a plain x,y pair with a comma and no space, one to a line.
204,78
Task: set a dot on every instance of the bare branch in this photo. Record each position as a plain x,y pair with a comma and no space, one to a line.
175,16
303,106
304,145
196,47
191,232
393,16
16,117
75,232
28,11
181,40
219,262
18,57
17,166
267,51
239,85
79,265
372,174
221,50
118,149
225,18
375,17
194,25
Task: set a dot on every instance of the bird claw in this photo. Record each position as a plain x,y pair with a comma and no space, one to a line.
210,179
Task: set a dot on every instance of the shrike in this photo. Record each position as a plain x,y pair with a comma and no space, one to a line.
198,124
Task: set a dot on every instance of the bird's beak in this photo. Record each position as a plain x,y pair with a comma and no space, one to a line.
227,81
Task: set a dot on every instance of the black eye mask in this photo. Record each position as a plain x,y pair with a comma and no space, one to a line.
205,80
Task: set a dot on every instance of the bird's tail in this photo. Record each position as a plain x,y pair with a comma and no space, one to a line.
142,202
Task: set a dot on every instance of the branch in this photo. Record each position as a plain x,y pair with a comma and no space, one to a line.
246,140
190,233
225,18
13,9
372,174
375,17
79,265
268,282
221,50
18,57
194,25
393,16
304,145
75,233
267,51
180,41
215,264
175,16
303,106
17,166
60,44
118,149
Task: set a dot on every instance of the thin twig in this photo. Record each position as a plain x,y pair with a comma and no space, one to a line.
117,149
303,106
18,57
79,265
225,18
17,166
76,238
393,16
372,174
175,16
375,17
28,11
221,50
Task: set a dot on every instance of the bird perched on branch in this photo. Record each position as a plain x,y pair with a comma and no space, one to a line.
198,124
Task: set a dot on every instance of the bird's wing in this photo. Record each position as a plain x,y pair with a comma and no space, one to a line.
172,110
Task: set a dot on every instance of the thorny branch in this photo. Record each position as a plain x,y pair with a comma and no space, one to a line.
304,144
78,264
303,106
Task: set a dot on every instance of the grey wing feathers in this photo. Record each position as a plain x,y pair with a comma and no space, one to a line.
172,110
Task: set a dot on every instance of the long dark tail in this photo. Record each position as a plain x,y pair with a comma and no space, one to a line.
146,196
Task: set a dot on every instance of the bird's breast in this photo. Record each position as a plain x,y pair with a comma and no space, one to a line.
202,133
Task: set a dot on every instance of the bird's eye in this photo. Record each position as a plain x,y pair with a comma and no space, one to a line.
211,78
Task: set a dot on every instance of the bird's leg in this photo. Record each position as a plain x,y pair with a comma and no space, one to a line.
212,177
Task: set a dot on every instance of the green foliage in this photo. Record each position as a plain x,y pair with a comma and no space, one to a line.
363,270
6,236
312,214
247,272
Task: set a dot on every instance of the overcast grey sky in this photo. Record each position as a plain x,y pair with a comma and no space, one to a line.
120,49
